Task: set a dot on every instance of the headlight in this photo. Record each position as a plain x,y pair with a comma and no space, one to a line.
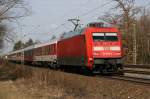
115,48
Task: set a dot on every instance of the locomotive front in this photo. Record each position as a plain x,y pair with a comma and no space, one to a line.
106,49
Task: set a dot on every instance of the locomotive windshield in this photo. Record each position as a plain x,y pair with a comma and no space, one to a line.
98,36
105,37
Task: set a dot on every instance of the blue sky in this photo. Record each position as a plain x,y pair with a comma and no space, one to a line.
47,15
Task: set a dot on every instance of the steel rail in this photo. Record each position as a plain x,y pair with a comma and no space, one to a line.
132,79
138,66
128,79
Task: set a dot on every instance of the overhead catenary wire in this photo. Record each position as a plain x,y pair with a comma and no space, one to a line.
90,11
63,24
74,10
52,31
95,9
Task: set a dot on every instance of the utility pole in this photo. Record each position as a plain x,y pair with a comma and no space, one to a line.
148,42
75,22
22,56
134,45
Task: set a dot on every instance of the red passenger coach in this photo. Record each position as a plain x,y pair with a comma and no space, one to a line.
23,55
45,53
96,48
28,54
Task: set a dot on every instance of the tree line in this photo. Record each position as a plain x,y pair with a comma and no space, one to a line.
20,45
10,11
132,20
134,24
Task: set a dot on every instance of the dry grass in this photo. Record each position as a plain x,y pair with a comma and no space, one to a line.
40,83
54,84
15,71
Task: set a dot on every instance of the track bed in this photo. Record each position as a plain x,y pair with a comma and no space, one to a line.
43,83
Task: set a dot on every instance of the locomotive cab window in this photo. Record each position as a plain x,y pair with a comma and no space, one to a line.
111,37
98,37
105,37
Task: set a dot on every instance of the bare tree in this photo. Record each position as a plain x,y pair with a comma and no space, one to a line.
3,30
18,45
29,43
129,11
10,10
111,18
143,37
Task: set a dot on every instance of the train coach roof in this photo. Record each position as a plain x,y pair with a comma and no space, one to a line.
45,44
21,50
32,47
72,33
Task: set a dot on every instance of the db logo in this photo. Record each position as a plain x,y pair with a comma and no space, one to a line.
106,48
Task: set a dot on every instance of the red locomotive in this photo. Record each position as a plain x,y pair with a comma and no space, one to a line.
94,48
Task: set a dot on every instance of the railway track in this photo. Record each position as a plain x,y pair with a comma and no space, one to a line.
132,79
138,66
135,73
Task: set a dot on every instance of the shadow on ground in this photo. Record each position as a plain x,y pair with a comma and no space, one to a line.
10,71
5,75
